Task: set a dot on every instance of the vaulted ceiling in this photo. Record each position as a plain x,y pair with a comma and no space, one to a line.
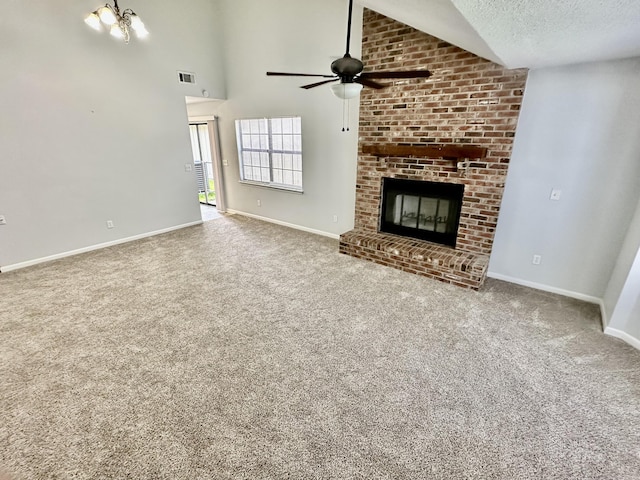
526,33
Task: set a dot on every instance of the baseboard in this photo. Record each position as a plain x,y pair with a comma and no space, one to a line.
29,263
614,332
548,288
285,224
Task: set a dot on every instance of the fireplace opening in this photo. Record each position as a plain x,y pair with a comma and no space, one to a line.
421,209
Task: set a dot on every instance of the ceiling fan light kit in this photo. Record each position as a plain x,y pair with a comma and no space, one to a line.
346,91
120,23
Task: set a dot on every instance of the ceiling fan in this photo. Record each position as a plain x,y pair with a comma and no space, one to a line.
349,71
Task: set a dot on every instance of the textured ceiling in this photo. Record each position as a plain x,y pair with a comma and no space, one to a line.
526,33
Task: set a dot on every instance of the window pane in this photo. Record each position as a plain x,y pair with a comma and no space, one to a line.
277,160
297,162
287,162
287,143
255,159
263,126
287,125
277,176
277,142
255,126
276,125
264,142
297,125
297,143
255,142
255,172
245,125
297,179
287,177
265,174
264,159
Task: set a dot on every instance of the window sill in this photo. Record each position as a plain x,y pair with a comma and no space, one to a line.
273,186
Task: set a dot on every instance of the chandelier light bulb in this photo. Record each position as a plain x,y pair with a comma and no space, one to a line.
93,20
141,32
116,31
107,16
136,23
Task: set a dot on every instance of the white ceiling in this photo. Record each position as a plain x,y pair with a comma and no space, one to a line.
526,33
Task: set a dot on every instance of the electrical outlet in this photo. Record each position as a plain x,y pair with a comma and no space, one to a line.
3,221
555,194
225,162
109,223
188,167
537,259
335,219
259,203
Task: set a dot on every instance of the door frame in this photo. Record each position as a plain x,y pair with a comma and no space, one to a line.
216,157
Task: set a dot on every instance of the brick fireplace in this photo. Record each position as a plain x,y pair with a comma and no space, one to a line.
455,127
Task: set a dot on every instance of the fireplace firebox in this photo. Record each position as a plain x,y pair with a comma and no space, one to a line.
421,209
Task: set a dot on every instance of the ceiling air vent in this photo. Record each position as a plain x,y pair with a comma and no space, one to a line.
186,77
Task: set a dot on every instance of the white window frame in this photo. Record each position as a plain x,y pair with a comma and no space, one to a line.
273,149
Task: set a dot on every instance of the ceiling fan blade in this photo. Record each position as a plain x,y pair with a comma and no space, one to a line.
405,74
369,83
317,84
285,74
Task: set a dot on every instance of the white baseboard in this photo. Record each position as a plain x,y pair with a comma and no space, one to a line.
547,288
285,224
29,263
633,341
613,332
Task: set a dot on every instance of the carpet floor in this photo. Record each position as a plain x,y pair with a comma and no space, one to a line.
238,349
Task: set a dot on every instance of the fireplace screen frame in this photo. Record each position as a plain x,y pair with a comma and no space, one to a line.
452,193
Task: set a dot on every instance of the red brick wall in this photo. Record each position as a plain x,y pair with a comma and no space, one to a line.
468,100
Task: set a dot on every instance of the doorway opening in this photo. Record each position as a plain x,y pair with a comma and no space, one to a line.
203,163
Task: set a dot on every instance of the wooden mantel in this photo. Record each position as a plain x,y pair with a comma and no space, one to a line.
425,151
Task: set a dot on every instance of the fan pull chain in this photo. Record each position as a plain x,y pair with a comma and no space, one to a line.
345,115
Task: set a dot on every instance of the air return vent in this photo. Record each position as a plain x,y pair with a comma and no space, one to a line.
186,77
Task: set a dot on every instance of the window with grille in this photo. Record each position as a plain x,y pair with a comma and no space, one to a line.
270,151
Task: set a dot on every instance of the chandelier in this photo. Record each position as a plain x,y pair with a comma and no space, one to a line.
120,23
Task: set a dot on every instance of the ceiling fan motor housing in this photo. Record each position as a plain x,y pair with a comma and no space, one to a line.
347,68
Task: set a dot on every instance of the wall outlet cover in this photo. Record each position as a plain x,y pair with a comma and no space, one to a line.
555,194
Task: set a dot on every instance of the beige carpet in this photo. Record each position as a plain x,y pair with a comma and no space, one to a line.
240,349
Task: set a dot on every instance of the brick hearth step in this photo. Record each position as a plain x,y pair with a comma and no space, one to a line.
465,269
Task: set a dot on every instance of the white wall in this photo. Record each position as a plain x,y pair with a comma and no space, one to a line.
621,302
301,37
579,131
92,129
623,266
206,108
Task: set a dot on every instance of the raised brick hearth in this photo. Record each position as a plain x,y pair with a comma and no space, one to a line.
468,102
